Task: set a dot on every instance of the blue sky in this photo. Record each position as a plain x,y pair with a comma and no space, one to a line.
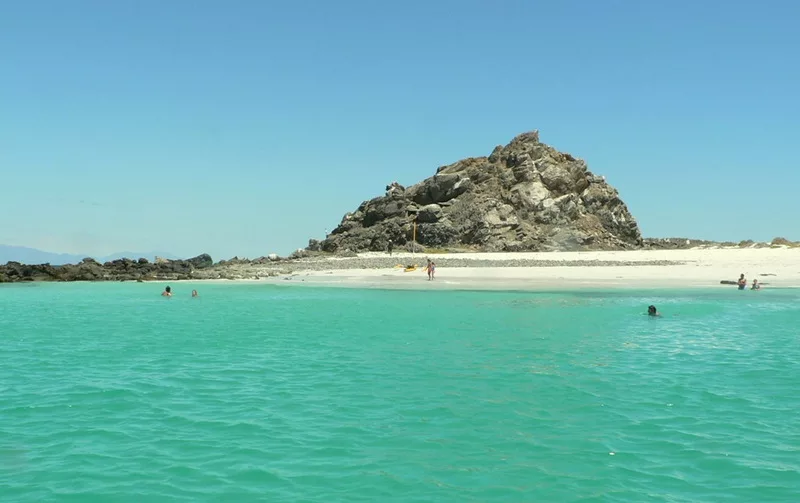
247,127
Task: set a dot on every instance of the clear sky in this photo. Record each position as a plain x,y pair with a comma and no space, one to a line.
247,127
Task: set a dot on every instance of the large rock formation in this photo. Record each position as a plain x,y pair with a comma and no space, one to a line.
524,196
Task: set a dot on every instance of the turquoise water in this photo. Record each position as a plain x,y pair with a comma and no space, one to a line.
109,392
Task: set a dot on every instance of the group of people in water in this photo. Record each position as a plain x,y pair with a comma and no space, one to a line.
168,292
430,268
742,283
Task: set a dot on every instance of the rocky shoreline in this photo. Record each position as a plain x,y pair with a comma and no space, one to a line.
360,263
203,268
117,270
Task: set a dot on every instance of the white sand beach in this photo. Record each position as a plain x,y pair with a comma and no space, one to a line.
774,267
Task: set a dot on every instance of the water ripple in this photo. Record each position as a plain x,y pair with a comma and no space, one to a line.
270,394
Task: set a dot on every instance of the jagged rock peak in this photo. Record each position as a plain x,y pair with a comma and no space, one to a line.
524,196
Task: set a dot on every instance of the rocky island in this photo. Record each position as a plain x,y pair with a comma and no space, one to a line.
525,196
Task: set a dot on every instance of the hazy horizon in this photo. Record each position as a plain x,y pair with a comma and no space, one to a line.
28,255
7,253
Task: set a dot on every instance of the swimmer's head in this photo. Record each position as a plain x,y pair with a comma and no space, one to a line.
651,310
168,289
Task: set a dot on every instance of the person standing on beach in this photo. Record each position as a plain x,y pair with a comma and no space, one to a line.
390,247
431,268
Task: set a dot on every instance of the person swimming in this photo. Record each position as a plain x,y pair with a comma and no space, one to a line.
742,282
755,286
194,293
652,311
167,292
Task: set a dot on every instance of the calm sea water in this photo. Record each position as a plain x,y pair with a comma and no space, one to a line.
110,393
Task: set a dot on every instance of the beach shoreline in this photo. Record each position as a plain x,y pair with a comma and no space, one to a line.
647,269
774,267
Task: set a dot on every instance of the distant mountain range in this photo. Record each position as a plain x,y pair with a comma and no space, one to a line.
27,255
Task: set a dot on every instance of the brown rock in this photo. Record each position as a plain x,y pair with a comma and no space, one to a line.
524,196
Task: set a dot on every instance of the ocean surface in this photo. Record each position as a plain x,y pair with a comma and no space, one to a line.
111,393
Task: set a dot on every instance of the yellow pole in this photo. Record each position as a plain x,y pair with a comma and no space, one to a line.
414,241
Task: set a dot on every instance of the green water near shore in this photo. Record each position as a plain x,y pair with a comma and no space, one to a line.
253,392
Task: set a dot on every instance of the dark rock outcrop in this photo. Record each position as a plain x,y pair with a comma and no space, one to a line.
524,196
117,270
678,243
229,262
203,261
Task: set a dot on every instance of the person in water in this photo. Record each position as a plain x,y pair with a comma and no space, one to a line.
194,293
742,282
652,311
167,292
755,286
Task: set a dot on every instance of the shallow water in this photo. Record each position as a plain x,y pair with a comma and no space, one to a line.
109,392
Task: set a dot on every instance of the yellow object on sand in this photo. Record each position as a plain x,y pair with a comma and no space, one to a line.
410,268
